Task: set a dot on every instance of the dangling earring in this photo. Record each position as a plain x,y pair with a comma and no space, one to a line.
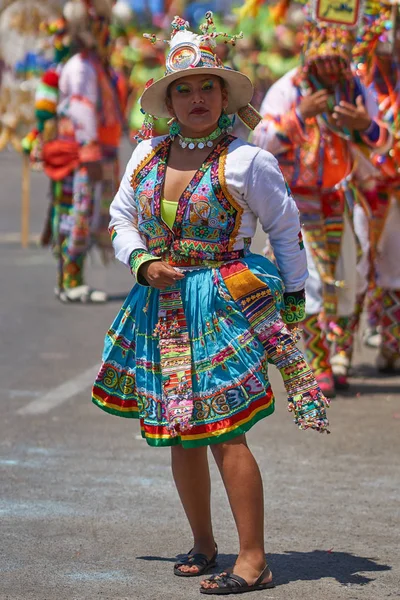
224,122
174,127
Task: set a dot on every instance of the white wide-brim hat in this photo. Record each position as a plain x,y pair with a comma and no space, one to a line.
191,54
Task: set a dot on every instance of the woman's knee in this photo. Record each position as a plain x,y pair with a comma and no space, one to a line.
231,446
182,453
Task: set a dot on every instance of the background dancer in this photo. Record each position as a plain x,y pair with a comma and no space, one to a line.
377,55
312,118
82,161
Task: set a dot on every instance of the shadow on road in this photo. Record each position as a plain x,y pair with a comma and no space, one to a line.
290,566
320,564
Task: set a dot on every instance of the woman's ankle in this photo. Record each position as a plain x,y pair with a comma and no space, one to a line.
204,545
252,556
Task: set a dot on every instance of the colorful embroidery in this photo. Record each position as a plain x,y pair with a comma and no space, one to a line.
207,218
256,301
323,231
295,307
113,233
391,323
229,375
316,345
176,361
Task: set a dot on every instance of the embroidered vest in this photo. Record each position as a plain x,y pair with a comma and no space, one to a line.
207,219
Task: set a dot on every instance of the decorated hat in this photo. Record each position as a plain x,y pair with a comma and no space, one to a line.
322,40
193,54
376,35
89,22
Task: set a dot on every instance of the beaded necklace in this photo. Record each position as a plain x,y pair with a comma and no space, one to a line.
192,143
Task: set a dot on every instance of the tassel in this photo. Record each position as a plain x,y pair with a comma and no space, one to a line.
146,132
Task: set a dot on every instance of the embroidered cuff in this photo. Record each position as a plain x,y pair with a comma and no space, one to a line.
376,136
372,132
295,305
136,260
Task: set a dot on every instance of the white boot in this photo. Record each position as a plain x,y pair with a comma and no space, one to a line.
340,368
84,294
372,337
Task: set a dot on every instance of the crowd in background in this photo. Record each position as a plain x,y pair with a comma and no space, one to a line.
265,53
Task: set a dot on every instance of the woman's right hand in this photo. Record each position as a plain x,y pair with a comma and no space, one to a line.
159,274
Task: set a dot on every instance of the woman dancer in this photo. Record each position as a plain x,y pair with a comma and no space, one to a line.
189,350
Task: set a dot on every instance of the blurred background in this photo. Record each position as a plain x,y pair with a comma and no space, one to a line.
265,53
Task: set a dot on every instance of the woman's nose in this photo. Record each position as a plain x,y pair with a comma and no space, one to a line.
198,97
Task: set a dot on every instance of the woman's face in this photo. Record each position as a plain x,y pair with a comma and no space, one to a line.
197,102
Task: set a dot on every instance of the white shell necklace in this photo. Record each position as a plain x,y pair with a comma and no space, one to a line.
200,143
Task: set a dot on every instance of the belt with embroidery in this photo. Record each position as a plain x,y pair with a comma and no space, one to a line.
178,260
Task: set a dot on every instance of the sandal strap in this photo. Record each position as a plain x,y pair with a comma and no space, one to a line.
230,580
239,581
199,559
263,573
193,559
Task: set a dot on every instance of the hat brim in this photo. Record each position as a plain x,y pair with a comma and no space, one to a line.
239,87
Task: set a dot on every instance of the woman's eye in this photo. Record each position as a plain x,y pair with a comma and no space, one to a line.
182,89
207,86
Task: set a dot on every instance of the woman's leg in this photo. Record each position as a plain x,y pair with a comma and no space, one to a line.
243,484
192,479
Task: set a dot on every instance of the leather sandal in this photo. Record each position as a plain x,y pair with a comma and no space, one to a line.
200,561
229,583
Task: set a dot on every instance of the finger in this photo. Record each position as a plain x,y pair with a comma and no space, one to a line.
321,94
360,101
179,275
168,269
174,273
347,105
346,112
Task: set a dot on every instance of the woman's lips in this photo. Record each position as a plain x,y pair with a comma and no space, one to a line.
198,111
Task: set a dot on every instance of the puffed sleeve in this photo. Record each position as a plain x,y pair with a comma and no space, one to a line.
130,247
269,198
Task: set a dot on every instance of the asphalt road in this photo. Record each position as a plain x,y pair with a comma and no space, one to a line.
88,510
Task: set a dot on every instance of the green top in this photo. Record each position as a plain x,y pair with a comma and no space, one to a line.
168,211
